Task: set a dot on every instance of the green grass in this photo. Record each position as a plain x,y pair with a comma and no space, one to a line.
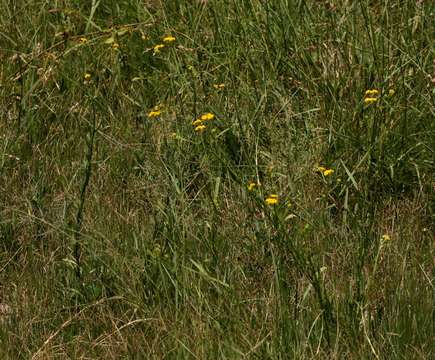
124,235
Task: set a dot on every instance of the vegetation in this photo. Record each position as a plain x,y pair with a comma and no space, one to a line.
217,179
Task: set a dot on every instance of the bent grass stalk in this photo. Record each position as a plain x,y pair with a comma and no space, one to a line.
90,138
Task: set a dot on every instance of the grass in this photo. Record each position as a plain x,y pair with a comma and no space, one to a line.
128,232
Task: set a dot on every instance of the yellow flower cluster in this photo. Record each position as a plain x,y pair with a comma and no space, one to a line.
371,96
219,86
325,171
199,123
272,199
166,41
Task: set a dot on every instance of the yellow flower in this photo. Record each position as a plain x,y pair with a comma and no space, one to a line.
219,86
83,40
325,171
200,128
321,169
251,185
158,47
370,100
372,92
197,122
385,238
87,76
154,113
207,116
115,46
168,39
272,199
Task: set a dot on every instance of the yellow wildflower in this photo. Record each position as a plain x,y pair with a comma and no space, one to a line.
325,171
83,40
154,113
219,86
197,122
207,116
168,39
321,169
87,76
272,199
372,92
251,185
385,238
370,96
370,100
158,47
200,128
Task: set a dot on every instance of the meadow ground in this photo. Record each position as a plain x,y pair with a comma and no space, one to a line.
217,179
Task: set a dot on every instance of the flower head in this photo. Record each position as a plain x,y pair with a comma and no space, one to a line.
372,92
197,122
200,128
83,40
272,199
321,169
325,171
87,76
370,100
154,113
207,116
158,47
169,39
251,185
385,238
219,86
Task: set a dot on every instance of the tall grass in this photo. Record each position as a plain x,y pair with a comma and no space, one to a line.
128,232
